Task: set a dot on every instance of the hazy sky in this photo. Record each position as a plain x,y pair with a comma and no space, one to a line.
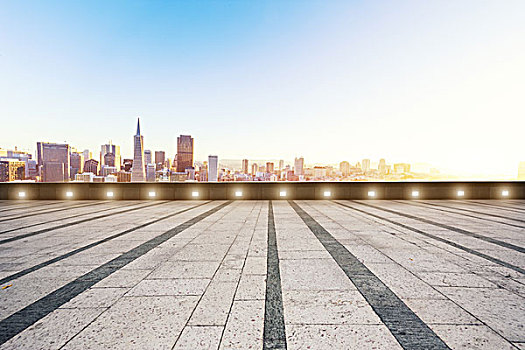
435,81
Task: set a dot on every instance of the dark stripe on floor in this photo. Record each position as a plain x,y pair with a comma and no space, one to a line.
438,208
21,206
42,212
91,245
437,238
22,319
29,234
447,227
409,330
500,207
67,218
476,212
274,336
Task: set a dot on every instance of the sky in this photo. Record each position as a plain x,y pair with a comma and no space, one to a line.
441,82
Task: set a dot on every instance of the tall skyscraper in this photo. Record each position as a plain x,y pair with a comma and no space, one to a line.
255,168
365,165
344,167
160,158
382,166
91,166
281,164
213,168
77,163
53,161
12,170
184,153
270,167
147,157
138,173
110,148
245,166
298,166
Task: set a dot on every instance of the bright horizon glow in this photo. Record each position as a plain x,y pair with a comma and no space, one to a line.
409,81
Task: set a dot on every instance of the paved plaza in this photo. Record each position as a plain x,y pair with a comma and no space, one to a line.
327,274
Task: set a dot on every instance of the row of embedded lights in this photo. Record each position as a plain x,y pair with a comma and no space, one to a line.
327,194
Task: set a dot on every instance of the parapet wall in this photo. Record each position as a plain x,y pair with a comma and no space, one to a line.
264,190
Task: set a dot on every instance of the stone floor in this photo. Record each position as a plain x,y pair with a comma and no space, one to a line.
260,274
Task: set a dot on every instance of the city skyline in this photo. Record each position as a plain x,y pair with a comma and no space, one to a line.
430,83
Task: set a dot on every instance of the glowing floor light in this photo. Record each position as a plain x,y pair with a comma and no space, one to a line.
415,194
371,193
110,194
195,194
69,194
461,193
21,194
238,193
327,194
152,194
282,194
505,193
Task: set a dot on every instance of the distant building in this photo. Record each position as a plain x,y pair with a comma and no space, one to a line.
255,169
401,168
184,153
110,149
365,165
382,167
124,176
128,165
203,172
320,172
77,163
53,161
108,170
190,173
150,172
270,167
147,157
138,173
344,168
91,166
160,159
213,168
87,154
245,166
521,171
84,177
12,170
281,164
299,166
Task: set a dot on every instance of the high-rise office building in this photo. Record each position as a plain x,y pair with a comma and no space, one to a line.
269,167
521,171
87,154
382,166
139,169
150,172
91,166
245,166
401,168
255,168
77,163
365,165
53,161
344,167
281,164
110,160
298,166
110,148
184,153
203,172
12,170
147,157
160,158
213,168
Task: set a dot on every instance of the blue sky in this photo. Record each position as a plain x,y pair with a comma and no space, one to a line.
434,81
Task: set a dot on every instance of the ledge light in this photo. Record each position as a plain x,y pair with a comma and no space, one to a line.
152,194
282,194
505,193
371,193
69,194
415,194
21,194
238,193
195,194
327,194
110,194
461,193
